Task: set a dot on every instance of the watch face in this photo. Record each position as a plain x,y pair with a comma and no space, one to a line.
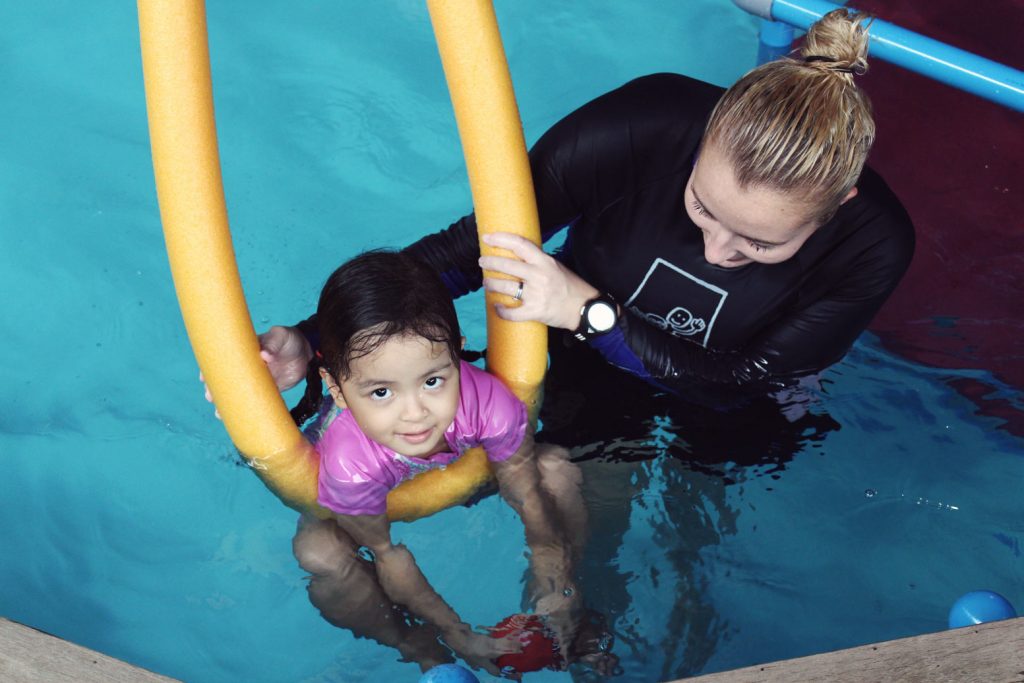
601,316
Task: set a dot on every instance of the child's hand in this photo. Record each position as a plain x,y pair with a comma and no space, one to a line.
287,354
562,611
480,650
209,396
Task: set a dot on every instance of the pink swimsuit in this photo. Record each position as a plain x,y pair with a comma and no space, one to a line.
356,473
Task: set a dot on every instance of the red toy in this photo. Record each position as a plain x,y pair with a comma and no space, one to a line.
540,648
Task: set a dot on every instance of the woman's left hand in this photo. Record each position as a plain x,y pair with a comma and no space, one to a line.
551,293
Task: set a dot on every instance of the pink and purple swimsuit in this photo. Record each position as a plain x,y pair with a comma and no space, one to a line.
356,473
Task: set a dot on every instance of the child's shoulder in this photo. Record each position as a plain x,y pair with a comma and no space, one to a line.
325,416
477,384
486,397
479,375
342,440
490,415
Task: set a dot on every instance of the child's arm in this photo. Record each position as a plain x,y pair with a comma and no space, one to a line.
519,484
554,591
404,583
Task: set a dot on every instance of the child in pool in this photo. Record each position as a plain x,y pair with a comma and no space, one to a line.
405,403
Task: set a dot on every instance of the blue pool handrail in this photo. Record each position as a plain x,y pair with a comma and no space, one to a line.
945,63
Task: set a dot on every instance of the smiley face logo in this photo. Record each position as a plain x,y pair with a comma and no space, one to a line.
678,302
684,323
680,322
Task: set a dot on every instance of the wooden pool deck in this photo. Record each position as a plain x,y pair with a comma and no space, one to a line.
31,656
989,653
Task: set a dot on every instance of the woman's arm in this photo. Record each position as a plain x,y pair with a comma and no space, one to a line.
801,343
807,338
593,153
618,140
405,584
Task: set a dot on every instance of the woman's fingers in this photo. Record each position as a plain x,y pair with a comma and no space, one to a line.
552,294
514,313
514,268
520,246
507,287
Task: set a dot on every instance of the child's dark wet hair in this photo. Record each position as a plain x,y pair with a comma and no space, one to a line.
371,298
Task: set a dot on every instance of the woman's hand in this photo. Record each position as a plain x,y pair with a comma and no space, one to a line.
287,354
552,294
479,650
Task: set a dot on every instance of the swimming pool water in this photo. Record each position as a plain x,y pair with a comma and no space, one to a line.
128,524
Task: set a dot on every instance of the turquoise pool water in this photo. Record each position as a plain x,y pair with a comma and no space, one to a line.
128,524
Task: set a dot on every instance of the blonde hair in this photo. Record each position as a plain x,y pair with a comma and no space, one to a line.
802,126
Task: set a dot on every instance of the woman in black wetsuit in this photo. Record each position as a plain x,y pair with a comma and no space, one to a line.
721,246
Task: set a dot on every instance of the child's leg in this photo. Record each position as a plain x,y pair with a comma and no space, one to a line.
563,481
344,587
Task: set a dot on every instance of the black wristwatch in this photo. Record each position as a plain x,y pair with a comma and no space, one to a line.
598,316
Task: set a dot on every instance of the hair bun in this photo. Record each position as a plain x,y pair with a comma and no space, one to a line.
838,42
833,64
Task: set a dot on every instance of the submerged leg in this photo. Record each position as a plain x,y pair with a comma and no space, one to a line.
344,587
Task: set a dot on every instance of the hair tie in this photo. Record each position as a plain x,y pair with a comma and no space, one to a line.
822,58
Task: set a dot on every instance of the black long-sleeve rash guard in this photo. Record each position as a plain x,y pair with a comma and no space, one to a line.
614,171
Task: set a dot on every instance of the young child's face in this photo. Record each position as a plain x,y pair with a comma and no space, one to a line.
403,395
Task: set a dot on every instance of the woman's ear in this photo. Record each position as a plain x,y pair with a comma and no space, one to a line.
849,195
462,343
333,388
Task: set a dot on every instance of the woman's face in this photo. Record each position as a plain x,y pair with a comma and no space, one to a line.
743,225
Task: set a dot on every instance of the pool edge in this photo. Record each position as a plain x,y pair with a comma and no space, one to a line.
992,652
28,655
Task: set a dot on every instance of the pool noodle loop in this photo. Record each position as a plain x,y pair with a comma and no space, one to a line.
186,164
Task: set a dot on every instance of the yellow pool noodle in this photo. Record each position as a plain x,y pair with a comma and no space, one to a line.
499,172
179,101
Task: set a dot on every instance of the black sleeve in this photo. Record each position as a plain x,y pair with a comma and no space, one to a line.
590,157
804,342
453,253
581,160
815,332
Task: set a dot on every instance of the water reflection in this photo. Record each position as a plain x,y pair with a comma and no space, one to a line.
352,590
659,476
601,412
659,481
343,585
642,564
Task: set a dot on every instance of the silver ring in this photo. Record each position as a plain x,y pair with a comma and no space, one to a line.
518,296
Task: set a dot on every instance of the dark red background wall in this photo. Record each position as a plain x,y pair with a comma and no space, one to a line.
957,162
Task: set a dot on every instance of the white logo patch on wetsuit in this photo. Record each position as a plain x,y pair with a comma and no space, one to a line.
676,301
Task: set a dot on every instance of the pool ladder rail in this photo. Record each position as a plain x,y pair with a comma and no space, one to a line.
947,64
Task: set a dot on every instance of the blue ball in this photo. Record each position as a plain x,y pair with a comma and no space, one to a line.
978,607
449,673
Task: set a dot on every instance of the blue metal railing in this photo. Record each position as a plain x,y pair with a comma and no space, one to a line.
944,63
